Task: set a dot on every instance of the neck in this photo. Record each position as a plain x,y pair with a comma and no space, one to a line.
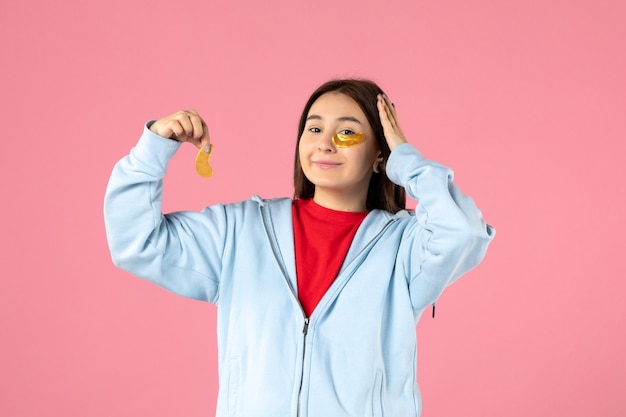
340,200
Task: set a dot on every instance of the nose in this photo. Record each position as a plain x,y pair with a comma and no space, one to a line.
325,143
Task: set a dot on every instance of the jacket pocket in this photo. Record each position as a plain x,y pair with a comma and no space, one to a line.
377,395
233,387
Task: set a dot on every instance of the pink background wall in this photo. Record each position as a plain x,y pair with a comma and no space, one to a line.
526,100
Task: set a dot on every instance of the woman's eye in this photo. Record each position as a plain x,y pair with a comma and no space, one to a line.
346,132
314,129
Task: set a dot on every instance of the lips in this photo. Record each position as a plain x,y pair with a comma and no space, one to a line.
325,164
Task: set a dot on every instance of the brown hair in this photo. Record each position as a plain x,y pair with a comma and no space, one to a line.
382,193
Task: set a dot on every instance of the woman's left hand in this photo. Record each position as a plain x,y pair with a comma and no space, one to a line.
389,120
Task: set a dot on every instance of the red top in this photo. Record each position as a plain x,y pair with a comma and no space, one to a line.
322,238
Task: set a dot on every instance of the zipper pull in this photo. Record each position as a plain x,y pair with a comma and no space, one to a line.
434,310
306,326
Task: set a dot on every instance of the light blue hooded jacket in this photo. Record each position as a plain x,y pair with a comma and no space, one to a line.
356,354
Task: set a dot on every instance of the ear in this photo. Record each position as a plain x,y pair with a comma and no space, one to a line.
378,163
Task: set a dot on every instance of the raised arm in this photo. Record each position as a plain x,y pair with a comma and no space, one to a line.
448,235
180,251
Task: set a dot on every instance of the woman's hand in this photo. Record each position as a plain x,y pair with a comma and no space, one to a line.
183,126
389,120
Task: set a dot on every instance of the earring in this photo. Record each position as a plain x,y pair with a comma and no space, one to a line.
379,167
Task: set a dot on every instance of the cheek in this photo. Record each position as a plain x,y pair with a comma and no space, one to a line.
302,154
370,153
305,146
301,150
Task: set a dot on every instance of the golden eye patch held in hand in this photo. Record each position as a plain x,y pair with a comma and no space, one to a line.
203,167
344,141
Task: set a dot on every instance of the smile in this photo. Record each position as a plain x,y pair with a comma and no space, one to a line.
326,164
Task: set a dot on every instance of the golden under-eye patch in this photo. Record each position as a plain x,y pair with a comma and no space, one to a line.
203,167
344,141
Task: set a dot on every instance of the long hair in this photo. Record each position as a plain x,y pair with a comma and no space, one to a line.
382,193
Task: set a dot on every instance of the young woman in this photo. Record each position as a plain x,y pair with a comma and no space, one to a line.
317,297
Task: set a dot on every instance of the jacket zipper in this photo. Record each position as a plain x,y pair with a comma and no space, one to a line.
305,329
272,237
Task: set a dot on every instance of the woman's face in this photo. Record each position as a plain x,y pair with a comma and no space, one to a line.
343,171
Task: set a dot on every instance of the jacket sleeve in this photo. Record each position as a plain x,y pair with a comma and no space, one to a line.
180,251
447,236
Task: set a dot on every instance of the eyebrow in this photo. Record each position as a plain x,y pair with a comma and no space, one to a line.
340,119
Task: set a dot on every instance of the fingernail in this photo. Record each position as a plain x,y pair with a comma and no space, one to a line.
189,134
207,149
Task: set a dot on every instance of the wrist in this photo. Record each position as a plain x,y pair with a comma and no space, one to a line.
396,142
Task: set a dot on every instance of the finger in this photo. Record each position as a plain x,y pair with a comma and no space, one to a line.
205,140
390,115
382,109
175,130
183,117
391,110
384,116
202,142
196,122
197,125
386,113
391,105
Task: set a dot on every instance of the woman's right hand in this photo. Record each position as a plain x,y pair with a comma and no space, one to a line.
183,126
